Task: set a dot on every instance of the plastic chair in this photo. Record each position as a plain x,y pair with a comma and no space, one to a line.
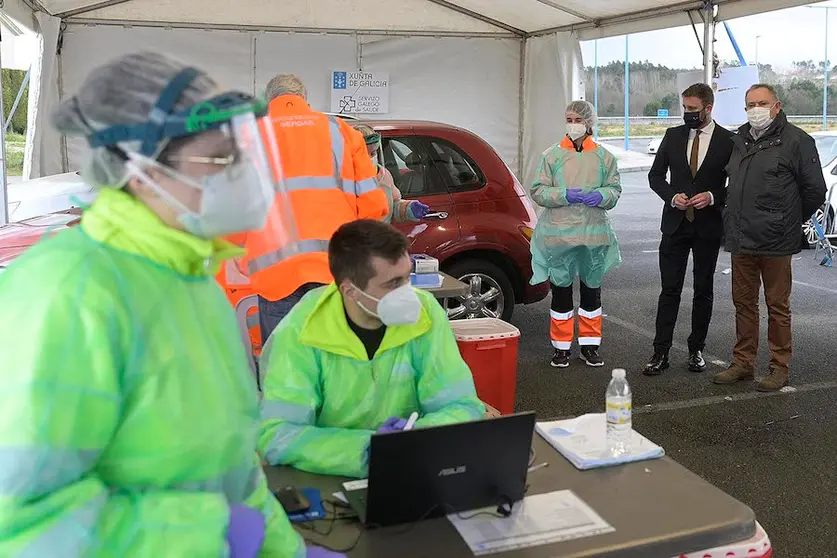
246,320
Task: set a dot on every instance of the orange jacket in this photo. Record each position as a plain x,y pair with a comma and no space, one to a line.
330,180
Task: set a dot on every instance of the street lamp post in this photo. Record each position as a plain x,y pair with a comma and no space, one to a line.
825,68
596,86
627,95
757,50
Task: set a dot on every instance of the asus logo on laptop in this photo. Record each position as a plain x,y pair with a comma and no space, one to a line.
453,471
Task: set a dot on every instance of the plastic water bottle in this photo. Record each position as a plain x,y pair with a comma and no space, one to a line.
618,405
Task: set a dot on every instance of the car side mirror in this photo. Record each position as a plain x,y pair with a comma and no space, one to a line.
834,170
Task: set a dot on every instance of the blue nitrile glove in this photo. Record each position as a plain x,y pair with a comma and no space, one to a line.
593,199
574,195
317,552
245,533
393,424
417,210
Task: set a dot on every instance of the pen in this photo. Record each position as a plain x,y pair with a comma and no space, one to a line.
411,421
536,467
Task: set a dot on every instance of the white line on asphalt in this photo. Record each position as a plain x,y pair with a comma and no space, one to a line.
795,282
650,335
719,399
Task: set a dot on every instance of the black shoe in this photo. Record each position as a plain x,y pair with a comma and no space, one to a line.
696,362
590,355
657,364
561,359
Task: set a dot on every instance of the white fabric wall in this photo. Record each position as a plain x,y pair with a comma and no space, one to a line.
42,153
472,83
554,77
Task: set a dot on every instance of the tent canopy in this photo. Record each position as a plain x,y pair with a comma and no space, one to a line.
587,18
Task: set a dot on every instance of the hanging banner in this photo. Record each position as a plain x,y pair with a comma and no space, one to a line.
730,89
359,92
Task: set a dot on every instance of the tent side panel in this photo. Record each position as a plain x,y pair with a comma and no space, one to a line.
225,55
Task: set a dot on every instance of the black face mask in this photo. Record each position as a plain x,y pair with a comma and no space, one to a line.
693,119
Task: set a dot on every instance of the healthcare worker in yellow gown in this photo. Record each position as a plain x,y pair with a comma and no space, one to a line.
129,415
577,184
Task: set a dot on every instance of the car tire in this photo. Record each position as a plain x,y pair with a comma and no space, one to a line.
496,292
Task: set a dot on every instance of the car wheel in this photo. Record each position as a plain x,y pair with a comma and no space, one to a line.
490,294
810,232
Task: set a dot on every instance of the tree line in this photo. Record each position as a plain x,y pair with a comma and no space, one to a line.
654,87
12,80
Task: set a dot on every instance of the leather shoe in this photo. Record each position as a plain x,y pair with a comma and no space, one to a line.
657,364
696,362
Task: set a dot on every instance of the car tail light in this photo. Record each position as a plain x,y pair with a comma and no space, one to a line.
527,232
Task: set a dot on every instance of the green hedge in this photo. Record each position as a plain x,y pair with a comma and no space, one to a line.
12,80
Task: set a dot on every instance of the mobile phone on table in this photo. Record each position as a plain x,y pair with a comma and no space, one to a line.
292,500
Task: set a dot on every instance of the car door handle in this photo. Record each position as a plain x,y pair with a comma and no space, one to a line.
439,215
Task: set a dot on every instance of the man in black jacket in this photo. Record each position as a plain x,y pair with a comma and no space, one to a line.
697,154
776,183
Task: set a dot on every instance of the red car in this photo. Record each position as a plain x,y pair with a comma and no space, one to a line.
481,221
479,228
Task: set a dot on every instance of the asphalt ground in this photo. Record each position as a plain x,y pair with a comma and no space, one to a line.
774,452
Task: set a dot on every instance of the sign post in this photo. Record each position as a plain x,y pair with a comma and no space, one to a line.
359,92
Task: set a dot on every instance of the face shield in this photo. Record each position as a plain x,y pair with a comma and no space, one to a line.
375,148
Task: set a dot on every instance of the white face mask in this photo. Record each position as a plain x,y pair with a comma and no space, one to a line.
576,131
233,200
759,117
398,307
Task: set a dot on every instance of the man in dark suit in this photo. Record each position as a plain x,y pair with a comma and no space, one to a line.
697,154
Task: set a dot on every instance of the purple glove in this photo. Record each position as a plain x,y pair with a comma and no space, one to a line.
317,552
418,210
393,424
593,199
575,196
245,533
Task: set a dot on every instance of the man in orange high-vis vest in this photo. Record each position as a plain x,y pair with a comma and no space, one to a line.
329,179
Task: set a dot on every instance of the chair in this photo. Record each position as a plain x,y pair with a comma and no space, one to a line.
246,320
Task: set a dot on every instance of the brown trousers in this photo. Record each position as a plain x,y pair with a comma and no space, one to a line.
748,272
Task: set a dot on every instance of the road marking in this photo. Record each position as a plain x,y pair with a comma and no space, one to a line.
795,282
650,251
719,399
651,335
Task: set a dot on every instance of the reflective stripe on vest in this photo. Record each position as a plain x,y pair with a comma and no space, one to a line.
232,275
276,256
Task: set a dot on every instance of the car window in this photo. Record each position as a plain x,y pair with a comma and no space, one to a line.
411,170
455,165
827,149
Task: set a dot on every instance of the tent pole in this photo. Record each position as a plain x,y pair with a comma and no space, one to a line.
18,98
709,42
4,197
627,96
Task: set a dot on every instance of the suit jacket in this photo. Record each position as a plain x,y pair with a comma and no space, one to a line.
710,177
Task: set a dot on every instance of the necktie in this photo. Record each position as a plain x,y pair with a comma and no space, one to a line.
693,164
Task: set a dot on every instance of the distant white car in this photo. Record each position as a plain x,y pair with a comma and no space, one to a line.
827,148
654,145
40,196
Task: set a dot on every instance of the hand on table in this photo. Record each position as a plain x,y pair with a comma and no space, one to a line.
245,533
317,552
393,424
574,195
700,201
418,210
681,202
593,199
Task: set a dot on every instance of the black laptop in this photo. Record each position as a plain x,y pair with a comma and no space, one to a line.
430,472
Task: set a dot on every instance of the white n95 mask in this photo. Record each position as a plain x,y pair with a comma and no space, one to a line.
759,117
236,199
398,307
576,131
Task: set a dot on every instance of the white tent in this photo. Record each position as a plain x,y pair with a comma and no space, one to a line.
502,68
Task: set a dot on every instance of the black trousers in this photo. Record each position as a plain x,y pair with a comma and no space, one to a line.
674,257
562,298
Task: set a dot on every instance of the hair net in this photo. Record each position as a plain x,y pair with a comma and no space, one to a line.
585,110
123,91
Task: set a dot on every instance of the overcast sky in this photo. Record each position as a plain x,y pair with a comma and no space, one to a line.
786,36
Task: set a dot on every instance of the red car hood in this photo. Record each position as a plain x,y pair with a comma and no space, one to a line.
17,237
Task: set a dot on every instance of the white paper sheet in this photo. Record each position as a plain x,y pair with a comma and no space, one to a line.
535,521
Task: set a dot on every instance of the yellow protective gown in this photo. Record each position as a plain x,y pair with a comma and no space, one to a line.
574,240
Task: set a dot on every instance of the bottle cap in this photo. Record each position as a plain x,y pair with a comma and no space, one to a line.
619,374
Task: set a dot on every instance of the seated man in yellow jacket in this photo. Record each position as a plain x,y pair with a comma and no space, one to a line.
357,356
